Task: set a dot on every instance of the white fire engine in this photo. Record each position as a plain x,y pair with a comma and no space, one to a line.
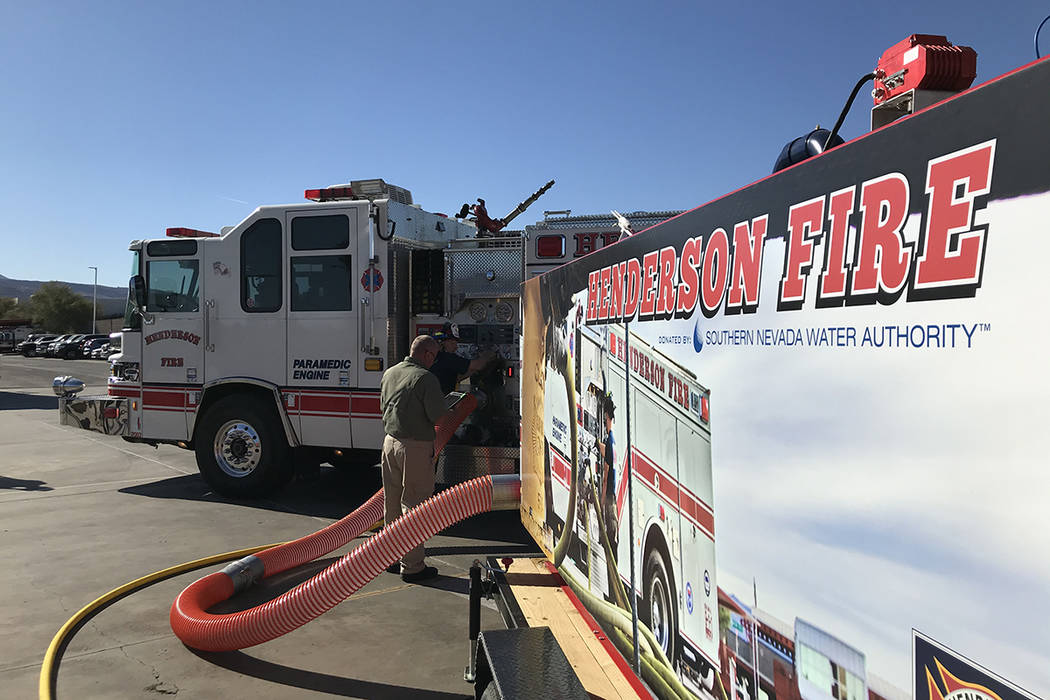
264,346
670,448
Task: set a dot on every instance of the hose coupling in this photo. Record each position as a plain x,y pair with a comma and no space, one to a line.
506,492
245,572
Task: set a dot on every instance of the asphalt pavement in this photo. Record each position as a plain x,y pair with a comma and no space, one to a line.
83,513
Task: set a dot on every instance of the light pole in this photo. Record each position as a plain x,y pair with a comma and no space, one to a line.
94,297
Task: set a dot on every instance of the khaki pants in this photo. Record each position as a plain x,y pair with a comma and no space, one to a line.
408,480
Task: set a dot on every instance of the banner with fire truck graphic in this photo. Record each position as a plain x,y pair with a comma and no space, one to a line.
849,358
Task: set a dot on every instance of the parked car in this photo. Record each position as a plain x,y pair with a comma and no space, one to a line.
47,349
53,348
114,345
102,352
34,344
91,344
75,350
69,349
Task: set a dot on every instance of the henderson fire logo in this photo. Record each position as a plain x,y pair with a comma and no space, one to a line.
174,334
946,262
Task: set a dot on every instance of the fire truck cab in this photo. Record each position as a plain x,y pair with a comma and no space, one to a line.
264,346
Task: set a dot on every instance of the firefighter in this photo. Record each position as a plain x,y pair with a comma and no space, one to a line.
450,367
412,403
607,496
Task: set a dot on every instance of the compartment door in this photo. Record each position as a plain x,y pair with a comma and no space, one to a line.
323,321
697,583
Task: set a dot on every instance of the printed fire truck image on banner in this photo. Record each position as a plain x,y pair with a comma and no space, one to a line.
848,359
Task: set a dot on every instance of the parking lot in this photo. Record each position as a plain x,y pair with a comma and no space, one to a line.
82,513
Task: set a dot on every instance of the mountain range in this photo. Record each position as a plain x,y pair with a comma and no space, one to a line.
110,299
23,288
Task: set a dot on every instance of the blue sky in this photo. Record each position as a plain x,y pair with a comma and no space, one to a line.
122,119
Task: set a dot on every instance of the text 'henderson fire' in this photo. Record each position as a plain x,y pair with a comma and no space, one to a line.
945,262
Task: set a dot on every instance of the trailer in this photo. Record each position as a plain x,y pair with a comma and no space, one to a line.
12,333
842,312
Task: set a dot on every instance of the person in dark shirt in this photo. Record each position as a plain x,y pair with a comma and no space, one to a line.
608,483
450,367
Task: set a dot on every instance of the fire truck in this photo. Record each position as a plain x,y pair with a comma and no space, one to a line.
670,451
263,347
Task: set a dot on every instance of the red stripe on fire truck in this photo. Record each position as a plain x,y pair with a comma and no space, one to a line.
154,398
668,489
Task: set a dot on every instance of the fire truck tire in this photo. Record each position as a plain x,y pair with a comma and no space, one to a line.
659,611
241,449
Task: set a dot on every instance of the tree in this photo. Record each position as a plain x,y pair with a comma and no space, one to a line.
57,309
10,308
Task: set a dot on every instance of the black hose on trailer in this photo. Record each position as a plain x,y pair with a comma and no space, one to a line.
846,108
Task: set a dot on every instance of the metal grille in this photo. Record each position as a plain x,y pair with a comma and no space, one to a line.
397,305
459,463
639,220
468,274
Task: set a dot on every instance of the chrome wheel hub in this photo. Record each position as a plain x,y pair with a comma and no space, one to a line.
238,449
659,613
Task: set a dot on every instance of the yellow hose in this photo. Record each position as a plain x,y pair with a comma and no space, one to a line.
49,669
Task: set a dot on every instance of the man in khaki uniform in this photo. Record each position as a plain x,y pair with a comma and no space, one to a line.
412,404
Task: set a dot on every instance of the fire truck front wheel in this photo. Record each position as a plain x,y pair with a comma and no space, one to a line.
659,610
241,451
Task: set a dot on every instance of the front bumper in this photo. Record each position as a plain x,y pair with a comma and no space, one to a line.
101,414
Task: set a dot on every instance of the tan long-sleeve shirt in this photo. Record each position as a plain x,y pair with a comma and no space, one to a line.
412,402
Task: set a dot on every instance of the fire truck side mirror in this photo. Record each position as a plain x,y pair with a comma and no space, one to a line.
137,287
138,291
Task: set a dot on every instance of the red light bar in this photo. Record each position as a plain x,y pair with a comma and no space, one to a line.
188,233
329,194
550,246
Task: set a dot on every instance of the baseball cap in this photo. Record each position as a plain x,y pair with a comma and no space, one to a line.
449,330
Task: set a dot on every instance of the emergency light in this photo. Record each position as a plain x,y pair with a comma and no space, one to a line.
376,188
180,232
550,246
330,194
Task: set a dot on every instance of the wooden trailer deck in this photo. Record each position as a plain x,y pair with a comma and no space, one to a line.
546,601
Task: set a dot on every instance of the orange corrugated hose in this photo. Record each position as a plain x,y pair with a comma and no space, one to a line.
208,632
